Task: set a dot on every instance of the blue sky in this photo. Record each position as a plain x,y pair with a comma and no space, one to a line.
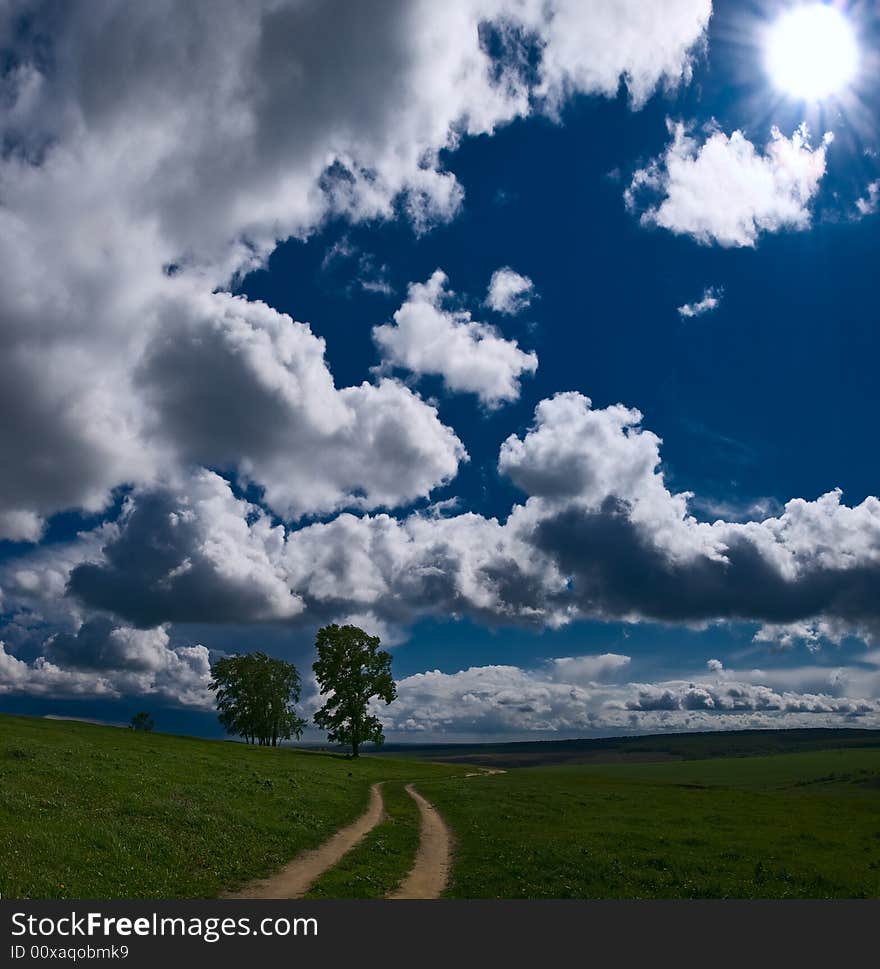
187,481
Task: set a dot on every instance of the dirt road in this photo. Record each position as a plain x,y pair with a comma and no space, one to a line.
430,872
298,875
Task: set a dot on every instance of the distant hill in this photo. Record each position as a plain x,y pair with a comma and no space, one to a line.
654,747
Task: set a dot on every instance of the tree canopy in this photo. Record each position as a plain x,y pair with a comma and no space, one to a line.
142,721
351,670
255,697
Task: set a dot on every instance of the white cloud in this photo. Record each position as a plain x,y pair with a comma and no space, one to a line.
162,155
429,337
42,678
509,292
21,525
590,49
177,675
811,633
600,536
165,154
869,203
586,669
726,192
710,300
487,700
229,382
578,457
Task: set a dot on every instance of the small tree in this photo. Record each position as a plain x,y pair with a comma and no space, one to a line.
351,670
255,697
142,721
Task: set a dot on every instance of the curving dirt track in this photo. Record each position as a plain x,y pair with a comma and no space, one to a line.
430,872
298,875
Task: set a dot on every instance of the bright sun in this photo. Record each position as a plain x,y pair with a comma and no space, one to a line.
812,52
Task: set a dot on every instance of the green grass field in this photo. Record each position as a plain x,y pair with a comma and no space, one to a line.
99,812
804,825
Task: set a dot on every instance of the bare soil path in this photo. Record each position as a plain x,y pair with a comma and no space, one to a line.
430,872
298,875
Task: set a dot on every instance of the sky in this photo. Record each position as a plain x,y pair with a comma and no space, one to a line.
537,338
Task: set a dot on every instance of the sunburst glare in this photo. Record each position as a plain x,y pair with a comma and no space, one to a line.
812,52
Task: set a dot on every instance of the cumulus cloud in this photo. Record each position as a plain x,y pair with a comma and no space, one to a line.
43,678
230,382
710,300
647,45
509,292
179,676
487,700
724,190
601,512
150,160
586,669
54,647
430,337
189,553
811,633
599,536
21,525
736,698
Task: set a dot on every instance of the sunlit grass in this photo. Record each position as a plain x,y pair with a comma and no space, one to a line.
100,812
788,826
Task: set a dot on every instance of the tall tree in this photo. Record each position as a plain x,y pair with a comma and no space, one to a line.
255,697
351,670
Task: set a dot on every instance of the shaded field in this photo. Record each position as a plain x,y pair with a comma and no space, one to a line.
101,812
803,825
644,749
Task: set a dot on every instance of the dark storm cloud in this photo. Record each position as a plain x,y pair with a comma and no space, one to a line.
619,571
163,567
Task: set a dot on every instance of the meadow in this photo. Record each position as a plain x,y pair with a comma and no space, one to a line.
802,825
100,812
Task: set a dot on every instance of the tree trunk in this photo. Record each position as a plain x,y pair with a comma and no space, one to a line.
354,747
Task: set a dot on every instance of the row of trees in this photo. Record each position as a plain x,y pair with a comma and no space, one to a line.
257,694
